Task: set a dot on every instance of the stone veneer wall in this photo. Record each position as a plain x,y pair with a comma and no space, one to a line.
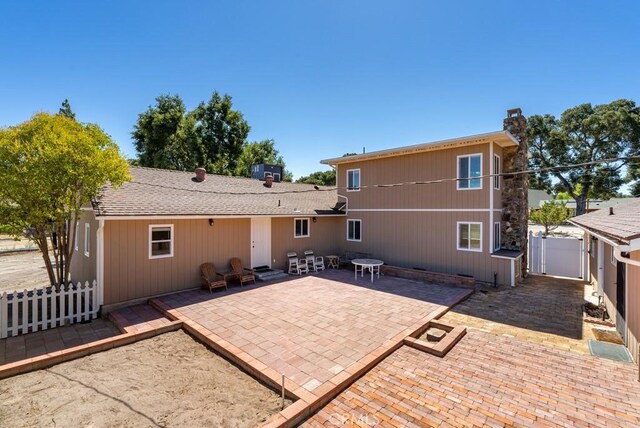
515,214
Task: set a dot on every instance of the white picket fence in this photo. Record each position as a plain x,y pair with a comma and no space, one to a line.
43,308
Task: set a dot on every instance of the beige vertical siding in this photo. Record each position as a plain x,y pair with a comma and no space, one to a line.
130,274
83,268
325,238
633,306
427,240
434,165
609,286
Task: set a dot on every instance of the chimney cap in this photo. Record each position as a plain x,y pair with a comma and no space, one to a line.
514,112
201,174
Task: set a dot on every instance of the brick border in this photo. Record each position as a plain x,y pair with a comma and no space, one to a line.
425,275
57,357
306,402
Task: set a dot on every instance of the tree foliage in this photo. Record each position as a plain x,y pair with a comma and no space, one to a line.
321,178
551,215
584,134
65,110
213,135
260,152
53,165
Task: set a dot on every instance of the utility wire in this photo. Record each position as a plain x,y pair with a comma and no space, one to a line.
405,183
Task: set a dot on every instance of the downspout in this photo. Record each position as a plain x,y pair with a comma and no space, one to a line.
100,261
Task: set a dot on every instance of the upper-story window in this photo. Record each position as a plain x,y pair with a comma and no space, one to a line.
469,167
496,172
353,180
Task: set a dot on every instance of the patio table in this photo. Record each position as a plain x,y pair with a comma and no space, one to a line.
370,264
333,261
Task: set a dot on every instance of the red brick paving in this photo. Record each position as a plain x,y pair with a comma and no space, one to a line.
138,318
44,342
314,327
489,380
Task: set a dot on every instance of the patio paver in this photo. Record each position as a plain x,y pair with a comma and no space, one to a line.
44,342
489,380
138,318
313,328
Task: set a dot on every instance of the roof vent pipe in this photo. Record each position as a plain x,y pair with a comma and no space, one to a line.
610,210
201,174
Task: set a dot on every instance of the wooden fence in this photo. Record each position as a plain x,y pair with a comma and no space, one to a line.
42,308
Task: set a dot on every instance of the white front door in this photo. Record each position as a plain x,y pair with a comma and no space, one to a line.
261,241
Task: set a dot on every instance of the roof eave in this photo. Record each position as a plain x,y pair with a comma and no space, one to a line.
504,138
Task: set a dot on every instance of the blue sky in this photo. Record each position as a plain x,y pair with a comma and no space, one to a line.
321,78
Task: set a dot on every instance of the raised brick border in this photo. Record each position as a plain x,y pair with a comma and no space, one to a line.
427,276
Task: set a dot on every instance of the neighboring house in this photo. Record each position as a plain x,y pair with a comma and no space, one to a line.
592,204
536,198
614,264
150,236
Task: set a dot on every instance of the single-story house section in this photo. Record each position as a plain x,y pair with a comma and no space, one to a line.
150,236
614,264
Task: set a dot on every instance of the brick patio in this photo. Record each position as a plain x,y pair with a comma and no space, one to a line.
489,380
44,342
312,328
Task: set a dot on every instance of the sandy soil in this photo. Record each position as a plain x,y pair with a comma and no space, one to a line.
169,380
22,270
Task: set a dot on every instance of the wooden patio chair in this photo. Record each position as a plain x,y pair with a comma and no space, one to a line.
240,273
210,278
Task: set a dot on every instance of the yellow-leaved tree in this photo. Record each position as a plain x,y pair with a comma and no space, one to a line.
50,167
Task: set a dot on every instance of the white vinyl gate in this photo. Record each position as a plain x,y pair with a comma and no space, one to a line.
558,256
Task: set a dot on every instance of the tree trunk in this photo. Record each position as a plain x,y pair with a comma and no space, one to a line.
581,204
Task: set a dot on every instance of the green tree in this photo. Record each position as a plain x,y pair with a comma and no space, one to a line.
260,152
52,166
584,134
321,178
550,215
222,132
65,110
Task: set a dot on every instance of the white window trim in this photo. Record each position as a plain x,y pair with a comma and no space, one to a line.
87,239
495,241
459,179
359,180
354,220
267,174
497,171
77,240
276,176
479,250
161,256
295,220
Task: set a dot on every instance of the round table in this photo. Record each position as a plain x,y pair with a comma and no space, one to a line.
370,264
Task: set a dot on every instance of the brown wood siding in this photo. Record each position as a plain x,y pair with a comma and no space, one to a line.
324,238
427,240
633,306
83,268
130,274
434,165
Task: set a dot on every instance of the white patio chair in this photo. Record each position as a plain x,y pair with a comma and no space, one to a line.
294,267
318,263
302,266
310,260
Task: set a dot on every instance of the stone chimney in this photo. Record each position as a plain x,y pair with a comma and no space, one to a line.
268,181
515,190
201,174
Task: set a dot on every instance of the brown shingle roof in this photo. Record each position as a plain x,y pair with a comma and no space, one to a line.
155,192
623,225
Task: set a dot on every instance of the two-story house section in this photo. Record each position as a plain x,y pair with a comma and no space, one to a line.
435,206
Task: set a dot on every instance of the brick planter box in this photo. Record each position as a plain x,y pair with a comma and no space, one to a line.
426,276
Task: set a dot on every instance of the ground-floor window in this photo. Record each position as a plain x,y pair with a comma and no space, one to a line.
354,230
301,228
160,241
470,236
496,236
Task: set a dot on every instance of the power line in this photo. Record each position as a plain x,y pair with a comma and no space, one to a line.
404,183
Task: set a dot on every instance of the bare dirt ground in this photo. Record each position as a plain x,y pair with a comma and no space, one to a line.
19,271
167,381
